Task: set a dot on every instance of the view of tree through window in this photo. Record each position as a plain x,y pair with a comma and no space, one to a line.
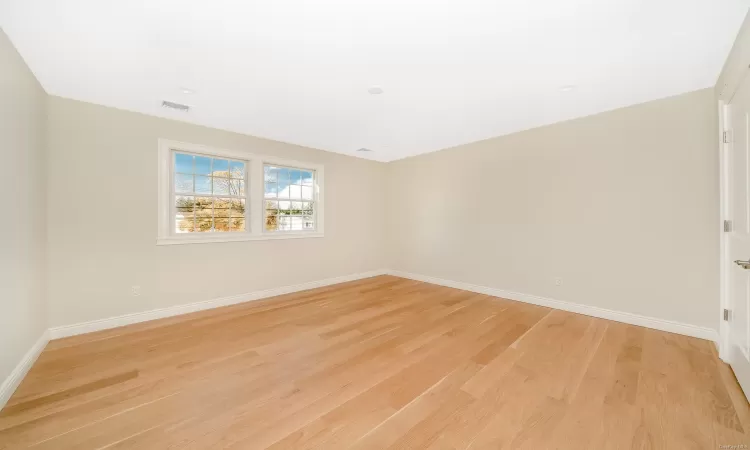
209,194
289,198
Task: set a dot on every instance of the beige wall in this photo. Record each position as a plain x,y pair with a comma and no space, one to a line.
622,205
23,316
103,215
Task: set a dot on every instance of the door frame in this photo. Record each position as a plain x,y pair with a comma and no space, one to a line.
725,300
725,96
732,75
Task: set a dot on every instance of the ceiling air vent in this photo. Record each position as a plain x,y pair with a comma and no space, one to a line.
173,105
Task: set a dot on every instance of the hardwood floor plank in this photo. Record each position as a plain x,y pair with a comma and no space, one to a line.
377,363
78,390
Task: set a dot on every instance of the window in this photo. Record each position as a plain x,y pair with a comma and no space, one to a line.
214,195
289,198
209,194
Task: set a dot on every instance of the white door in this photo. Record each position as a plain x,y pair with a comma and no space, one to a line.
737,119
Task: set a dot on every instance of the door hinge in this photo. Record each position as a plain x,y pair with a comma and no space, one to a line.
727,136
726,315
727,226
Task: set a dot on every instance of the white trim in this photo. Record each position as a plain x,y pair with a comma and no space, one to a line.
254,190
128,319
16,376
317,186
230,237
723,343
618,316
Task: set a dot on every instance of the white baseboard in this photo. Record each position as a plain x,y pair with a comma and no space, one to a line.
617,316
14,379
127,319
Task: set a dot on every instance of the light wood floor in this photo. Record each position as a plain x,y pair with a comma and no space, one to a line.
373,364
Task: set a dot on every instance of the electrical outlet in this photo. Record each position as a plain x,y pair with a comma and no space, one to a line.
558,281
135,290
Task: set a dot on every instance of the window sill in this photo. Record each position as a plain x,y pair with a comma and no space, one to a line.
176,240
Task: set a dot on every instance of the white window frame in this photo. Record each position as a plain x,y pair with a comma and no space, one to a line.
254,189
265,162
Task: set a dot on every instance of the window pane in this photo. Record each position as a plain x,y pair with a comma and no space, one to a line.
295,177
285,223
220,168
184,204
221,186
221,207
272,204
283,190
296,223
221,224
308,223
202,184
203,213
269,173
237,208
307,207
270,190
284,207
283,177
203,224
272,223
183,222
307,178
307,192
202,165
183,163
237,187
237,169
271,217
295,192
184,215
183,183
296,208
237,224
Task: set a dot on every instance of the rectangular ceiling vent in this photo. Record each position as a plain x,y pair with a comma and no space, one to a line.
173,105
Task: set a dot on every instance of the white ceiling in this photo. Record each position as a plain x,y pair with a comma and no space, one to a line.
453,71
